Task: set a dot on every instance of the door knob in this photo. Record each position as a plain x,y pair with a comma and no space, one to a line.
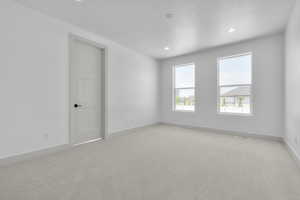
77,105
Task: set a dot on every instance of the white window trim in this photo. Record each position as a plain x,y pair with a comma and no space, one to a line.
174,88
218,87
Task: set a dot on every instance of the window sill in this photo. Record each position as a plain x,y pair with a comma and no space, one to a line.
183,111
236,114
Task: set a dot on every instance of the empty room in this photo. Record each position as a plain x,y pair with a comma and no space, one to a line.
150,100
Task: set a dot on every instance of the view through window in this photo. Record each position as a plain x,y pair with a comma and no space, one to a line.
184,87
235,84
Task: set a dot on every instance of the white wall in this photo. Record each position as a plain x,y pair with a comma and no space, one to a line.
34,82
268,61
292,80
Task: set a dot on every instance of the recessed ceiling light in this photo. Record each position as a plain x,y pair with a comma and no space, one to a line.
231,30
78,1
167,48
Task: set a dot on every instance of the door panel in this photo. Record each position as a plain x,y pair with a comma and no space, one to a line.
86,91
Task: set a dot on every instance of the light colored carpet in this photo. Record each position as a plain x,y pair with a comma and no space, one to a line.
159,163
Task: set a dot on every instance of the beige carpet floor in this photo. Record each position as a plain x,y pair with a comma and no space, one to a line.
158,163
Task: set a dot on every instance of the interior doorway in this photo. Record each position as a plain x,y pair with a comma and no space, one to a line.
87,91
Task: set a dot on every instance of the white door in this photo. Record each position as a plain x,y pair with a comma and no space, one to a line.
86,98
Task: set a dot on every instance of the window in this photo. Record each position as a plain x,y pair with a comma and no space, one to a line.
235,84
184,88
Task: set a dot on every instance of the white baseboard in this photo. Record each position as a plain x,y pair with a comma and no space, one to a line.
229,132
36,154
33,155
51,150
127,131
293,152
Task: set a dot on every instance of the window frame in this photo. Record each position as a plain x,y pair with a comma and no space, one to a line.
174,87
251,87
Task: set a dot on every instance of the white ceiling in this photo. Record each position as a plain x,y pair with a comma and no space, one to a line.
196,24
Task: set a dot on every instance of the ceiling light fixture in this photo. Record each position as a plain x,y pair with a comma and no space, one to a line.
231,30
167,48
78,1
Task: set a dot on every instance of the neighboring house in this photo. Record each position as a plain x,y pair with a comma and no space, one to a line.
236,97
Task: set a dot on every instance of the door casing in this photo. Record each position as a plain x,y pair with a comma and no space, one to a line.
104,82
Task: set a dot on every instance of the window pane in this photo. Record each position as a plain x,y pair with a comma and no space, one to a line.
235,99
185,99
235,70
185,76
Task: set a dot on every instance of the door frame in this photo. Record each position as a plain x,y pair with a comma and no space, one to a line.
104,81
